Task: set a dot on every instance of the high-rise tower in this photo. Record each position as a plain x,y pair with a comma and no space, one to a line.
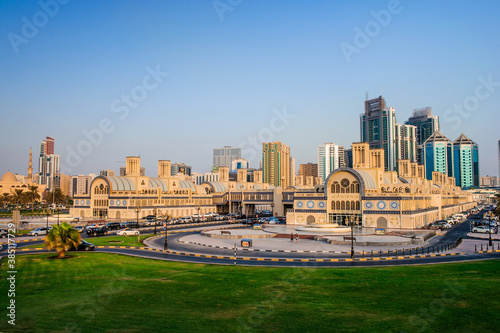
438,155
426,124
466,162
277,164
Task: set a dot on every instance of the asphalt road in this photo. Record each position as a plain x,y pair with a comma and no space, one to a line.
206,255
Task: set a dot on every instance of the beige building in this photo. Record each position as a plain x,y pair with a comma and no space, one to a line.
10,182
135,196
366,193
372,197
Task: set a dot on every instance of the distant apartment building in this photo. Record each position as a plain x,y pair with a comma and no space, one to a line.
200,178
277,164
426,124
348,158
380,130
308,169
48,164
224,156
239,163
306,172
489,181
80,184
110,173
404,138
178,168
330,158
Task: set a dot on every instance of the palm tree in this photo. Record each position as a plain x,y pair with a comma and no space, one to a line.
6,198
56,197
62,238
18,197
33,195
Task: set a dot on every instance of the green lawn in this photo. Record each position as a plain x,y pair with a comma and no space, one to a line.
111,241
97,292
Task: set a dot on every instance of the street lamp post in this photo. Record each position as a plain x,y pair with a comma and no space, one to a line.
137,209
154,212
351,223
166,232
489,231
47,224
57,216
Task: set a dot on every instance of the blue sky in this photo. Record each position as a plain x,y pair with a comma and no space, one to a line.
231,70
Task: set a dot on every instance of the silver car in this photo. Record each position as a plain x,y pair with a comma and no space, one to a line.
39,231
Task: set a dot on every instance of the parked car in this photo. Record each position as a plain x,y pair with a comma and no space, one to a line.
39,231
129,225
149,217
483,229
84,246
79,228
3,233
113,225
94,231
186,219
128,232
445,224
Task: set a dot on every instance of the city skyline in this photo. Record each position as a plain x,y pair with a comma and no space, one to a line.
258,74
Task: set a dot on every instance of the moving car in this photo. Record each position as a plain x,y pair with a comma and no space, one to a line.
85,246
3,233
127,232
39,231
79,228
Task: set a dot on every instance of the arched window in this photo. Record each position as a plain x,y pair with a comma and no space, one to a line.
358,205
347,205
335,187
353,205
333,205
338,205
342,205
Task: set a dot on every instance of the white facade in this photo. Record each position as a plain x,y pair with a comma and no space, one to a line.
330,157
79,185
239,163
199,178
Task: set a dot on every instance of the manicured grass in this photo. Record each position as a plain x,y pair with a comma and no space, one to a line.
111,241
118,240
97,292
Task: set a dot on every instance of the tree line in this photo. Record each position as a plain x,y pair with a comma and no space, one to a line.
30,198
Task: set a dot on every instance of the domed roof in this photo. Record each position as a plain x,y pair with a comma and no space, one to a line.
8,177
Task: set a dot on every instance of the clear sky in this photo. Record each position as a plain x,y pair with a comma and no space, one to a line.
175,79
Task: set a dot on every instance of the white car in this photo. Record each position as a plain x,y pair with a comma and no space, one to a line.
483,229
127,232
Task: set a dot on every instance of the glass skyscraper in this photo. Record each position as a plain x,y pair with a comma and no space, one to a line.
466,160
426,124
438,155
